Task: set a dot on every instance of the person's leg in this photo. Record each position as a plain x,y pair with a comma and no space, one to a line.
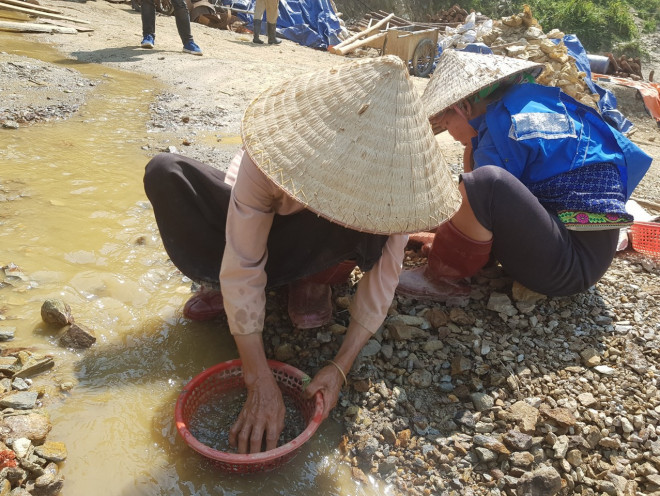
148,15
271,17
259,8
457,249
190,202
182,18
532,244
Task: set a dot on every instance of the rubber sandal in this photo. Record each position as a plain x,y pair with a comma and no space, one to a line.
204,305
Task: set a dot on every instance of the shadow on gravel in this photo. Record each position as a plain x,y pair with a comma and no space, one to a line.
118,54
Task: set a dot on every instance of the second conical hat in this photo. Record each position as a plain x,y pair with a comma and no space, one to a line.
460,75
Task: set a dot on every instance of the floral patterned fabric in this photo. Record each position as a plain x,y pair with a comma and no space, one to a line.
591,197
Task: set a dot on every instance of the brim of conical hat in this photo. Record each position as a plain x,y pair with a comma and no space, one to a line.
459,75
354,145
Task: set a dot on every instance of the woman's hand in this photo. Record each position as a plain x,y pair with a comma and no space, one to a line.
329,382
262,417
263,412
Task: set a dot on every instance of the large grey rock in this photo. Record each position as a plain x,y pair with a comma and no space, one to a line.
544,481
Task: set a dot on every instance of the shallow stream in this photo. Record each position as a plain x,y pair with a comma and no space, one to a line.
78,225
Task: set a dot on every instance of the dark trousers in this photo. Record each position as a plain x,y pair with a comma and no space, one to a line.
531,243
181,15
190,202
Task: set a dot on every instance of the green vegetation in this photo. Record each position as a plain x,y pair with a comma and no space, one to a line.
601,25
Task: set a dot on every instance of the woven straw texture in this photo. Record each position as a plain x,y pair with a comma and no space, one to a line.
353,144
460,75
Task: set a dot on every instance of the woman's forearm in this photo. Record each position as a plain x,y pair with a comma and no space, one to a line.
253,356
355,339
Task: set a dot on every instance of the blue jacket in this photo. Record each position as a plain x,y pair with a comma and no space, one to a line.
538,132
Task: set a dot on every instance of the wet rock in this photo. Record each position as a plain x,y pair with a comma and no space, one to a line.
7,333
9,365
32,426
56,312
22,400
33,365
52,451
77,336
47,485
10,124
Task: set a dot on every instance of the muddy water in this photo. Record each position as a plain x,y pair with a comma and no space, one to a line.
81,230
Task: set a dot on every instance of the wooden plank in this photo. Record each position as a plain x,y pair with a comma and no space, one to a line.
7,6
26,27
359,35
357,44
55,22
19,3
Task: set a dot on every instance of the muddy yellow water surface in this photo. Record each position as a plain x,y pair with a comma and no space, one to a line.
77,226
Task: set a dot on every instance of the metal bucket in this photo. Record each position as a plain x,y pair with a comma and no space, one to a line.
598,63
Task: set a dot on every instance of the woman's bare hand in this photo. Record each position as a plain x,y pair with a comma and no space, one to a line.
262,417
329,382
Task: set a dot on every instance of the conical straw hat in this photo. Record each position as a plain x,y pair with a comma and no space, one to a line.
353,144
460,75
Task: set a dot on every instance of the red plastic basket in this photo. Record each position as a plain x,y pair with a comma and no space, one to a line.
646,238
228,376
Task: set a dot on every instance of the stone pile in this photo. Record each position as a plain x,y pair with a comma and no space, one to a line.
505,393
520,36
28,460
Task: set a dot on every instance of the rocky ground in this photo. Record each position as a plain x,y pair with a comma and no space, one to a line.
506,392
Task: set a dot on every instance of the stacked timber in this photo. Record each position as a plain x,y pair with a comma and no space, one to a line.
365,37
453,16
53,23
625,67
373,17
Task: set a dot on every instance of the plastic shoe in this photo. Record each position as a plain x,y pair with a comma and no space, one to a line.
148,41
191,47
416,283
310,304
204,305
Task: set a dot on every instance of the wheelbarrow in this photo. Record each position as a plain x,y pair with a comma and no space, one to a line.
413,44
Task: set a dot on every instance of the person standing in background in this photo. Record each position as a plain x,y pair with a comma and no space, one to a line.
270,6
182,17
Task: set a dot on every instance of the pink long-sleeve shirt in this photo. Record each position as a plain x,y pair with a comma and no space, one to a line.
254,201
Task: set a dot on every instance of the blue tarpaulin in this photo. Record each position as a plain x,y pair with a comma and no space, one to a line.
311,23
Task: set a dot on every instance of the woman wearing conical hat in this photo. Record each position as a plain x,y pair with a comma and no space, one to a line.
544,186
337,166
